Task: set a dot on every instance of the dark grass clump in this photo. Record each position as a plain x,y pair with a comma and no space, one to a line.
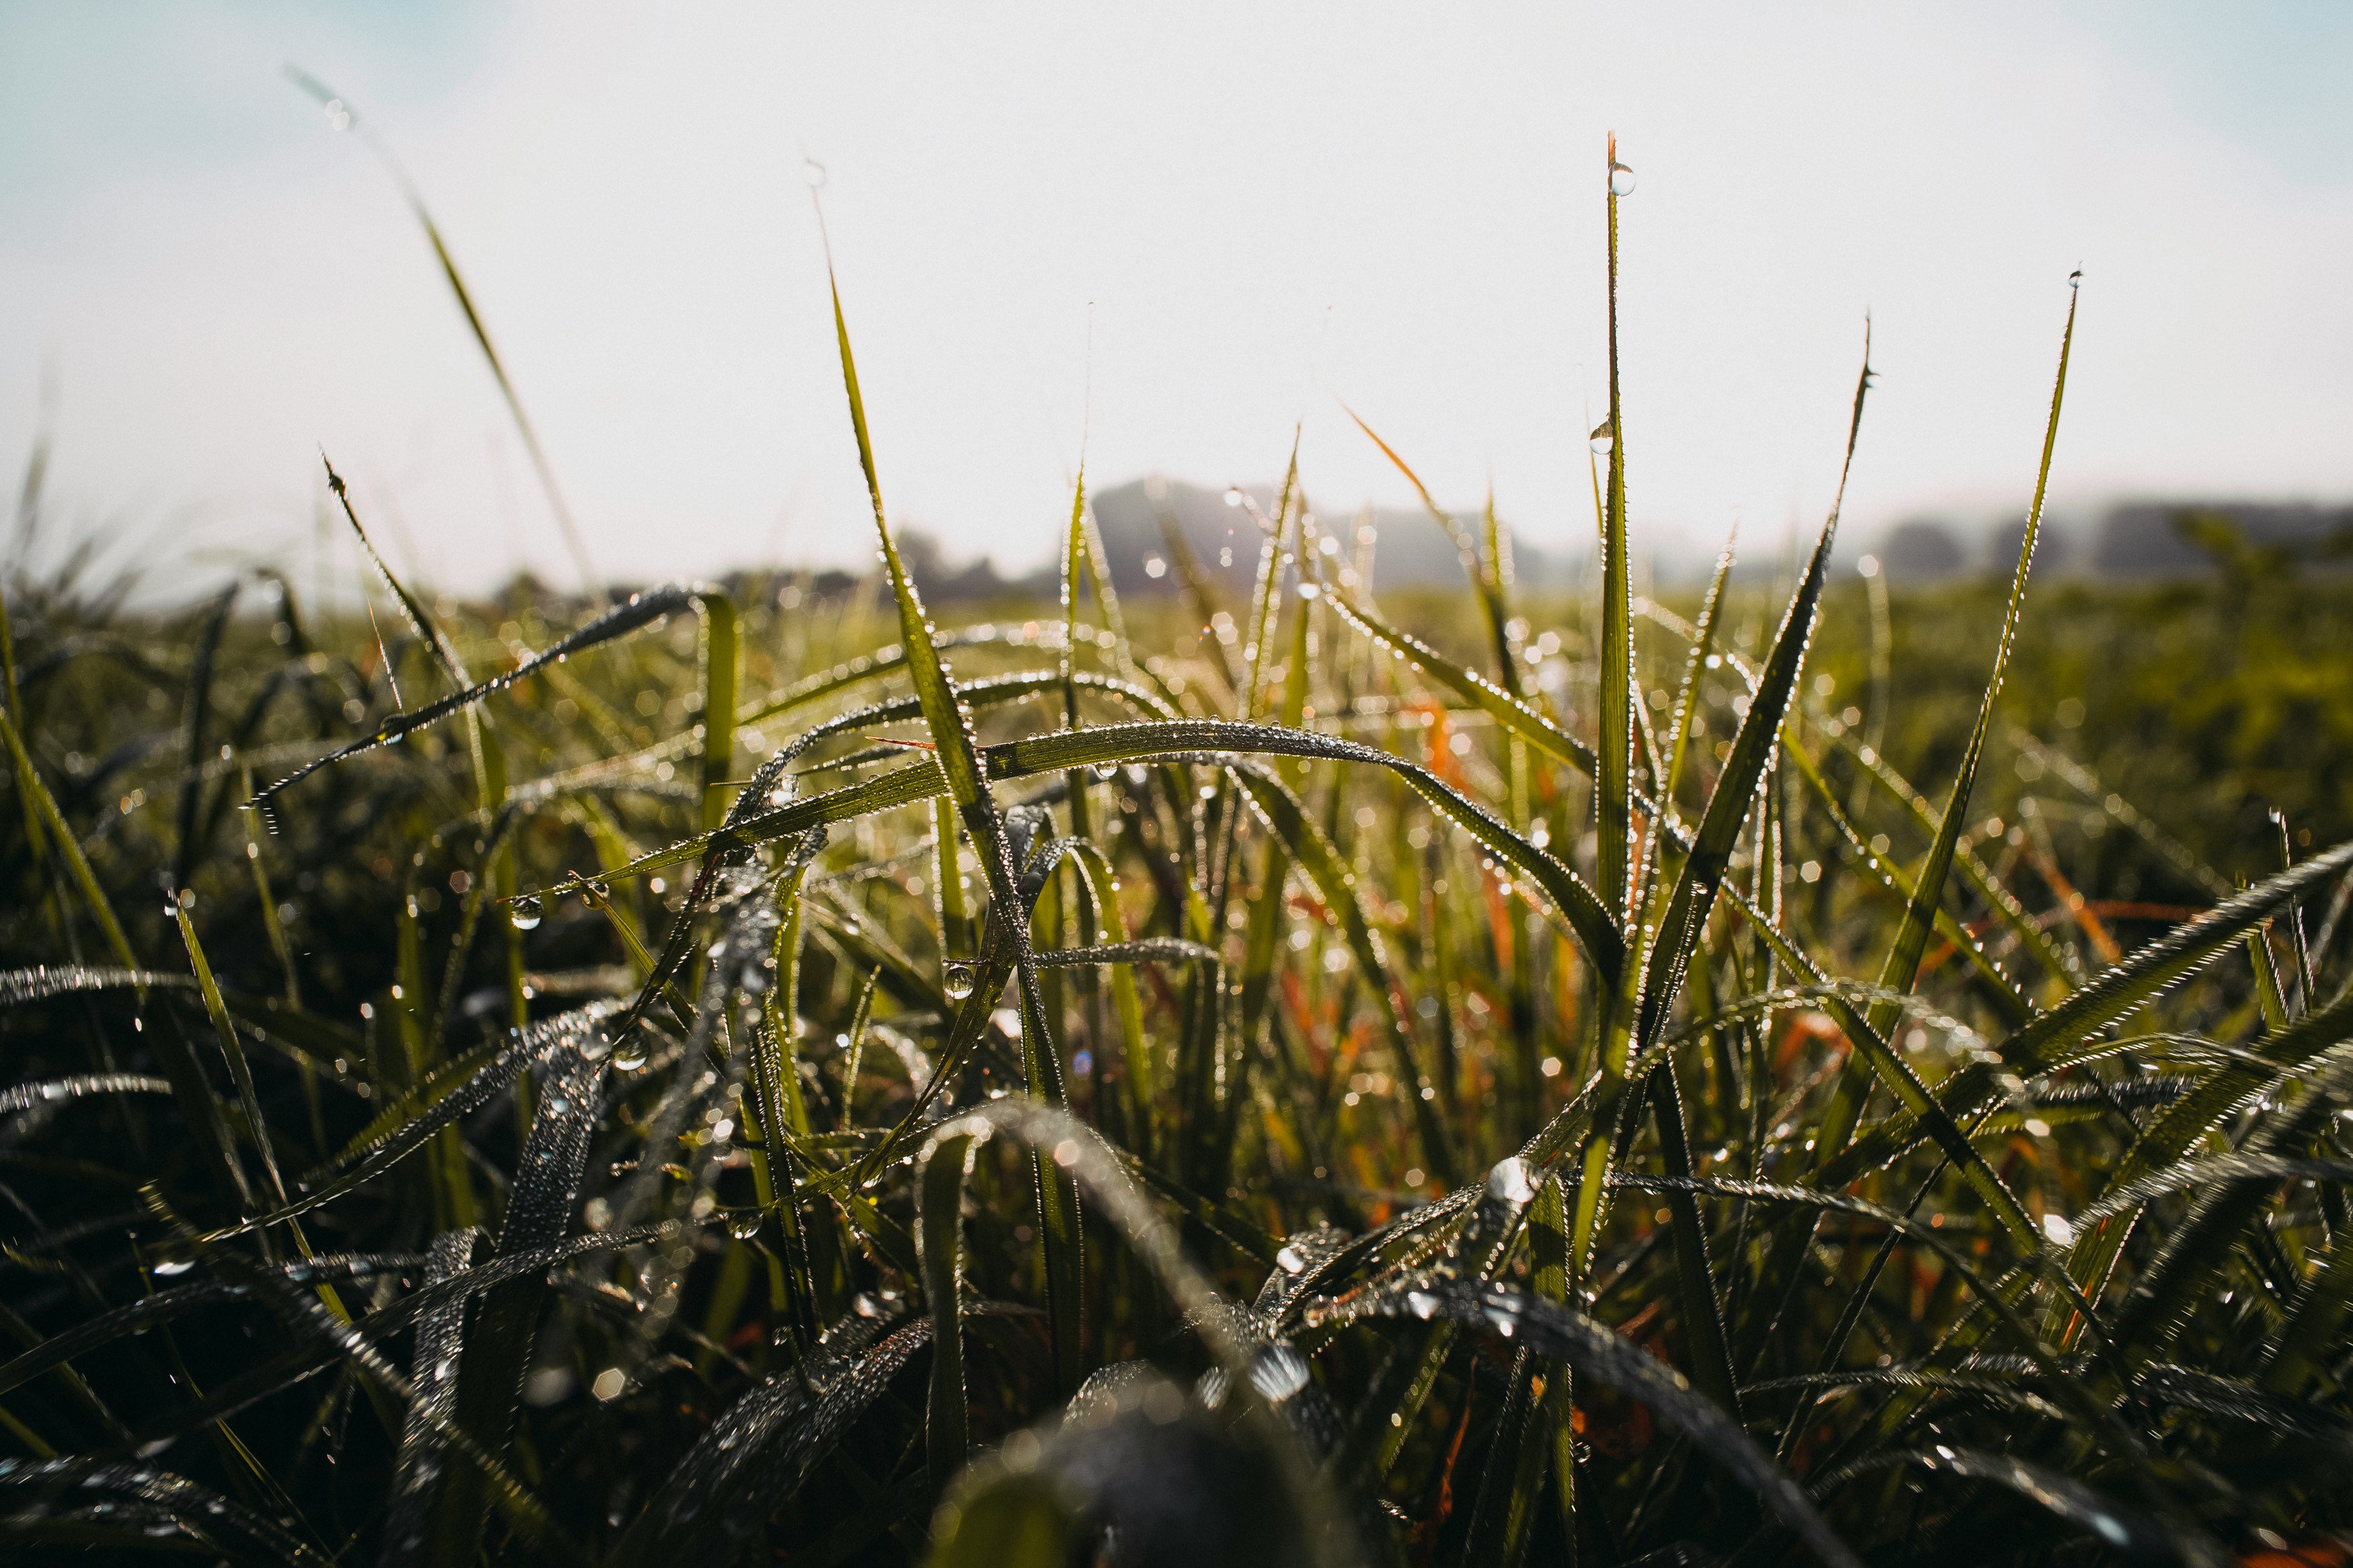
748,1082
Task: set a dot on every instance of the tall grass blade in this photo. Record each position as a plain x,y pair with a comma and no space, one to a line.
327,96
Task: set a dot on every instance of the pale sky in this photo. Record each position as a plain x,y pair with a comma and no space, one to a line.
1257,212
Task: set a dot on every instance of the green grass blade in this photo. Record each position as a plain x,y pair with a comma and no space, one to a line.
1703,645
952,738
1996,986
1061,1245
232,1051
721,667
1512,713
642,610
1614,756
1902,962
1909,1091
589,579
944,1165
44,805
2166,963
1753,749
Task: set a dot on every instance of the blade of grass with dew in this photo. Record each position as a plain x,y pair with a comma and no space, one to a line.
241,1073
1996,986
642,610
1902,962
1614,755
1512,713
1703,645
959,762
945,1163
721,671
45,807
332,100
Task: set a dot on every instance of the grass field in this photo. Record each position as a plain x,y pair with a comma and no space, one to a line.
1789,1075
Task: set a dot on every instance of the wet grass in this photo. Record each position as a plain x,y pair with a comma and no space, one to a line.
1742,1078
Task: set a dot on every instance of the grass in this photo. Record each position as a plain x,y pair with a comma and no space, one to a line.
1749,1079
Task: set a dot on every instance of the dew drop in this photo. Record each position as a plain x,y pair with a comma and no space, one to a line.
1291,1260
339,116
174,1266
2075,278
525,913
744,1224
1600,440
1234,495
1509,1181
1279,1372
814,173
631,1057
1621,179
959,981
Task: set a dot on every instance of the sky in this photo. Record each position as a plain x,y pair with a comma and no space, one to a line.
1155,239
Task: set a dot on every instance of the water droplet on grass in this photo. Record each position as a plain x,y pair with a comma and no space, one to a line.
1600,440
1509,1181
959,981
527,913
744,1224
1621,179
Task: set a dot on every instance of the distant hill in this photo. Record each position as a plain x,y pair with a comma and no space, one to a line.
2147,539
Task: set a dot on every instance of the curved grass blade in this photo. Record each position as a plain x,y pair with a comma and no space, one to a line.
1600,1352
1213,740
1902,962
57,1090
1701,643
206,1518
1997,987
1753,749
2064,1497
942,1171
39,802
641,610
1897,1075
520,1051
589,580
498,1346
761,1450
1098,1172
1513,712
441,1341
2165,962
